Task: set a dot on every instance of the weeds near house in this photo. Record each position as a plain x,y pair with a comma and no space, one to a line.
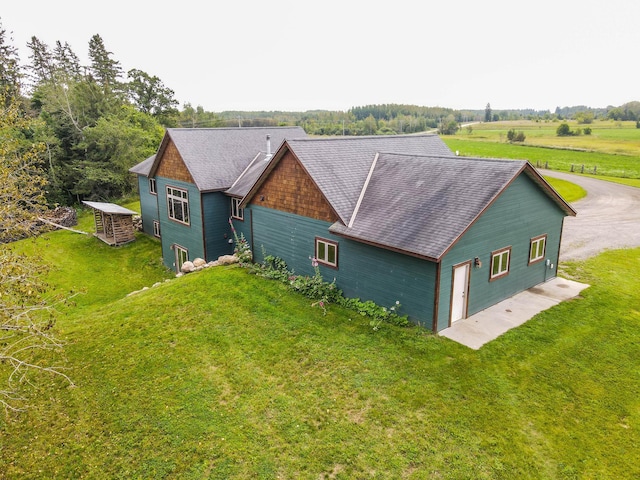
241,247
325,293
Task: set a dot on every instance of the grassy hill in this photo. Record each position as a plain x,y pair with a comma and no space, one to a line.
222,374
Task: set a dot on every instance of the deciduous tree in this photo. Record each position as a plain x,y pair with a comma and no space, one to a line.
26,318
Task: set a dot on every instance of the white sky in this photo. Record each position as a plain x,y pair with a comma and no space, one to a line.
297,55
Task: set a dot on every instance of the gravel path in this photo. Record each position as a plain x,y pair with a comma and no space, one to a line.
608,218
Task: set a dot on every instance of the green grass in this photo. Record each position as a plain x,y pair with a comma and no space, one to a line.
614,151
221,374
569,191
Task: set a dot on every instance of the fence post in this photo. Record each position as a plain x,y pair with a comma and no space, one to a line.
546,165
595,167
582,169
571,168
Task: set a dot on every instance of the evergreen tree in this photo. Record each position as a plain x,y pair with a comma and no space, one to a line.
487,113
104,70
10,72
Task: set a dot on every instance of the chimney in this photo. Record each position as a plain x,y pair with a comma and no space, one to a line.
268,145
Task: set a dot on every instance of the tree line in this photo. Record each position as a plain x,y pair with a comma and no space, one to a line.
95,121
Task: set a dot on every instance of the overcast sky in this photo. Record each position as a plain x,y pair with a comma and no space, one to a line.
333,55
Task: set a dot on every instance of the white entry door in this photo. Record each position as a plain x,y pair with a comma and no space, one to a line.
459,291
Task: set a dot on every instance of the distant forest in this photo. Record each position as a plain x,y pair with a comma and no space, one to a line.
393,118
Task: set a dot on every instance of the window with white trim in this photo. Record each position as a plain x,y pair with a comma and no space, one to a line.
327,252
178,205
500,260
537,249
236,211
152,186
156,228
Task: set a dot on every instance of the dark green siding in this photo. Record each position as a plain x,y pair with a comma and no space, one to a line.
217,209
148,205
522,212
187,236
364,272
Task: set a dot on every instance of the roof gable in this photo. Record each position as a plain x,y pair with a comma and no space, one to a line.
170,164
339,165
423,205
289,188
216,157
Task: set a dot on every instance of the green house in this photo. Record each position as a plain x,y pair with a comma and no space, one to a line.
400,220
396,218
182,187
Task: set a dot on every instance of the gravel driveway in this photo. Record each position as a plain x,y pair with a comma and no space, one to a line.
608,218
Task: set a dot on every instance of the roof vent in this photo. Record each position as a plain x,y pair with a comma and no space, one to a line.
268,145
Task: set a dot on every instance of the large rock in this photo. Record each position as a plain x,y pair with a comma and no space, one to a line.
187,267
227,259
199,262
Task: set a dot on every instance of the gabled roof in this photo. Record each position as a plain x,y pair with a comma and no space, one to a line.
423,205
339,165
215,157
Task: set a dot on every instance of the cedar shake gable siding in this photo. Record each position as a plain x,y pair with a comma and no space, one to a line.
171,165
289,188
216,157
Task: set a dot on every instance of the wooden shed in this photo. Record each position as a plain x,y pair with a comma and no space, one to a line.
114,224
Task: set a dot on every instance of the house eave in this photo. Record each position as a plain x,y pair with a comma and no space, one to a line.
385,247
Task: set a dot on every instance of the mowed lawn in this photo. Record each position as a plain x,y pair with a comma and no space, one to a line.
612,149
221,374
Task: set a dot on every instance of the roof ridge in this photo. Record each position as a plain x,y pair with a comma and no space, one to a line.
364,189
363,137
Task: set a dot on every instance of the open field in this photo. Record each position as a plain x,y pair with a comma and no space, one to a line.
222,374
612,148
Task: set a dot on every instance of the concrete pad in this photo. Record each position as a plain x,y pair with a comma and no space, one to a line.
492,322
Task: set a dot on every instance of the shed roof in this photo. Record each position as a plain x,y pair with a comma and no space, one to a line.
215,157
110,208
423,204
143,167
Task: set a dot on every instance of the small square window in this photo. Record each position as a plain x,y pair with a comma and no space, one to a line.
327,252
500,260
537,249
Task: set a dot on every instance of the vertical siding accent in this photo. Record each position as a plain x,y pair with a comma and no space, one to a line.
365,271
521,213
216,208
290,189
172,166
